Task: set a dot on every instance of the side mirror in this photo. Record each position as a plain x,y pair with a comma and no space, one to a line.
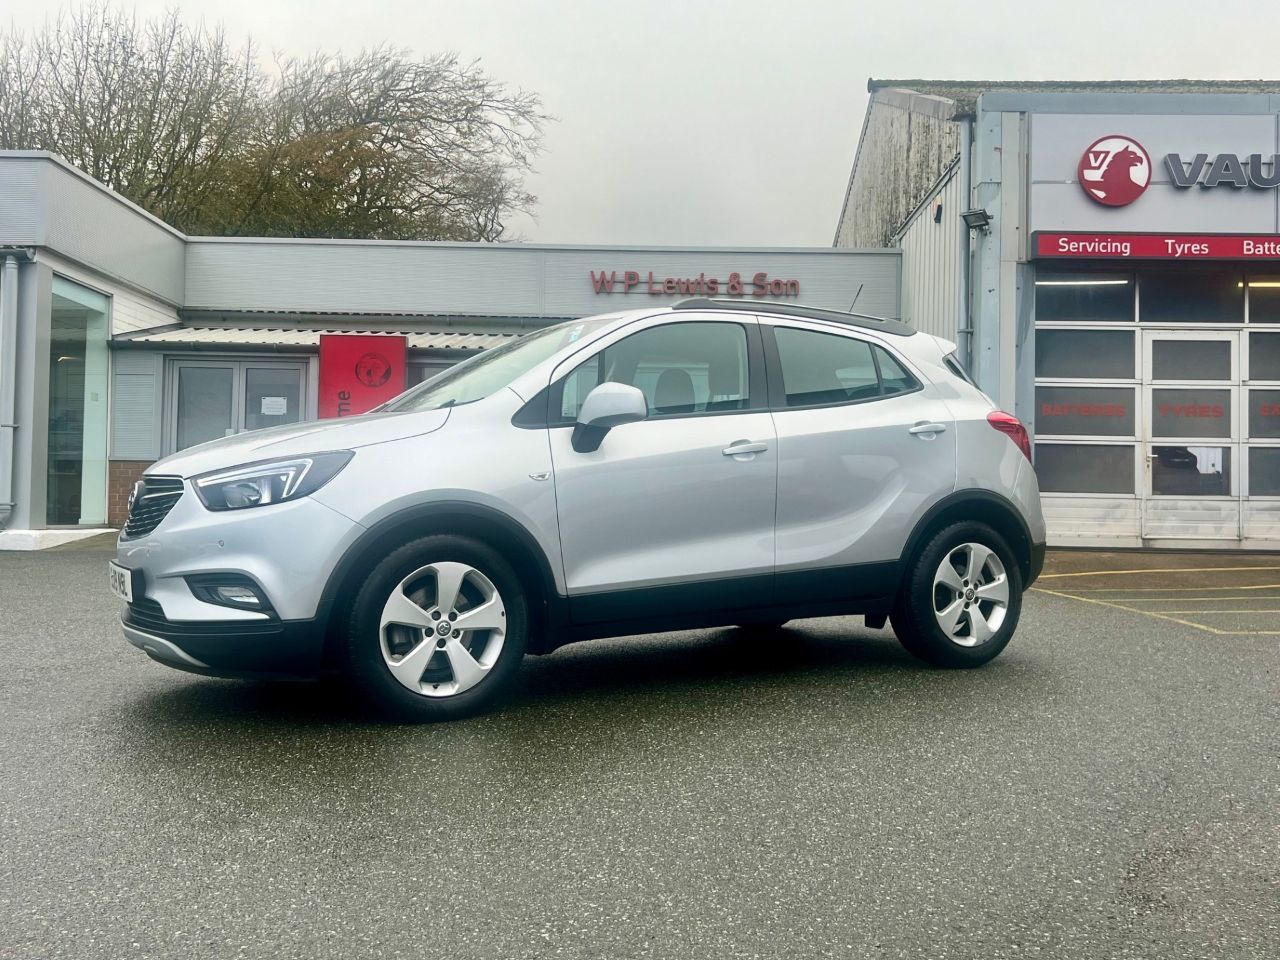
608,405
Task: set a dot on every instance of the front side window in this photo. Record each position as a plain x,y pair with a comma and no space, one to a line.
681,368
823,368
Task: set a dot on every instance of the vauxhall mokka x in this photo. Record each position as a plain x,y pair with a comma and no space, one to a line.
716,462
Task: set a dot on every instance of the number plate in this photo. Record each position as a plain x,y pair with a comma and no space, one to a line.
121,581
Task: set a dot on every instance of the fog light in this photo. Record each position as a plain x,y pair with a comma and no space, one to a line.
237,596
229,590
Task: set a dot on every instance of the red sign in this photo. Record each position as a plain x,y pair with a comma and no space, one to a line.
1114,170
760,284
1157,246
358,372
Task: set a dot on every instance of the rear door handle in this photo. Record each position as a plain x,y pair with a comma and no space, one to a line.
928,429
739,447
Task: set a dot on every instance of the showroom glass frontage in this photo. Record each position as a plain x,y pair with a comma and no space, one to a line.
78,379
1161,384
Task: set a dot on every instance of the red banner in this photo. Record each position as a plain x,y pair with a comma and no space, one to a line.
1157,246
358,372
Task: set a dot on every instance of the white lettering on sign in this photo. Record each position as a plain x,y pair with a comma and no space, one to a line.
1261,248
1098,245
1176,248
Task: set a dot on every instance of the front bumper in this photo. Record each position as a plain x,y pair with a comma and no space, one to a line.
285,648
288,551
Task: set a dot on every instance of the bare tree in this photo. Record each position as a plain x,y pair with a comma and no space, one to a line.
192,128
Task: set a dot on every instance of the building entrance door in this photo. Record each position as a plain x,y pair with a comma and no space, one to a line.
1192,435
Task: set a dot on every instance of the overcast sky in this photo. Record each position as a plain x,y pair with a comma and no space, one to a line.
735,121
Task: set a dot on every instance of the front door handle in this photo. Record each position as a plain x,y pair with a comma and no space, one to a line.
927,429
739,447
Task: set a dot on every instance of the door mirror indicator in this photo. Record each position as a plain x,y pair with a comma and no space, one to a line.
607,406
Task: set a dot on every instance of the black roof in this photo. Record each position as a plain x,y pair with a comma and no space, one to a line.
866,321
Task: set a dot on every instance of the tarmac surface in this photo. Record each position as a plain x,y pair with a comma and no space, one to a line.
1109,787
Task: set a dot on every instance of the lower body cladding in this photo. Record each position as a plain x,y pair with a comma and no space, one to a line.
229,648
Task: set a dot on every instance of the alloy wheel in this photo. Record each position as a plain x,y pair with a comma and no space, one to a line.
970,594
442,629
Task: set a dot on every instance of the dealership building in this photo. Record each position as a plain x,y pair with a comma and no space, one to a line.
122,340
1106,255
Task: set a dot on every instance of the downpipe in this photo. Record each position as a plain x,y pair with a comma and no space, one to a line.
8,378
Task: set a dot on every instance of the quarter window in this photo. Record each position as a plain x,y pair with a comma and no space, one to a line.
681,368
823,368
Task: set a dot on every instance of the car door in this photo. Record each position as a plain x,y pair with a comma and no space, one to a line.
672,514
864,447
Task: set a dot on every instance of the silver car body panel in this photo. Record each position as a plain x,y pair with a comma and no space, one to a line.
662,501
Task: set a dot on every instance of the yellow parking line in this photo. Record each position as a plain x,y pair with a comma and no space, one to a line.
1214,613
1255,586
1159,616
1183,599
1116,573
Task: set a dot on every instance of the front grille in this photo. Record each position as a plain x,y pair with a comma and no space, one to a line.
152,504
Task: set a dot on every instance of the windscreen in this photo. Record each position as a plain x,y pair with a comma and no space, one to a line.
489,372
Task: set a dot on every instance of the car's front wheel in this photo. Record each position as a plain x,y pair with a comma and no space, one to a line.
438,630
961,597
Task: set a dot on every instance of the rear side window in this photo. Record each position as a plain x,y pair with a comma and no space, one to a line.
954,365
823,368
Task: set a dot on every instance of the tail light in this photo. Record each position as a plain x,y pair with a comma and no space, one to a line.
1012,428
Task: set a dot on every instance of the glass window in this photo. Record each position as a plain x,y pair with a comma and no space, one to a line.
1264,471
1191,413
679,367
1085,354
1264,356
1264,299
488,372
1191,360
272,397
1098,411
416,373
1081,468
1084,297
1191,471
206,403
822,368
1264,414
893,378
215,399
1187,295
77,460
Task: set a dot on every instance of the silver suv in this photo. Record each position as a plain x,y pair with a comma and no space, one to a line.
705,464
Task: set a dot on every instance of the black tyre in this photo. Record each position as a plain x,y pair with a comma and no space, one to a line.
438,630
961,597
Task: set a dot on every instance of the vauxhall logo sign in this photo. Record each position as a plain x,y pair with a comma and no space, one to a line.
1115,170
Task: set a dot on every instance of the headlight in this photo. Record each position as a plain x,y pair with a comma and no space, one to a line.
271,481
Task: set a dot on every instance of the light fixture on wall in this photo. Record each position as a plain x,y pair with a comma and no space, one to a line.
976,219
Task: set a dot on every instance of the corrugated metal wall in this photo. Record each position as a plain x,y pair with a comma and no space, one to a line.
931,259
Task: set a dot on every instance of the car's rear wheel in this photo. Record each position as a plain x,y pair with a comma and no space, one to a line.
438,630
961,599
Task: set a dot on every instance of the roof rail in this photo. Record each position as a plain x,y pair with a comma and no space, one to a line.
866,321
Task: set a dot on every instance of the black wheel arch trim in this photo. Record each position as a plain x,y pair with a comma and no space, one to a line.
462,510
1029,554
